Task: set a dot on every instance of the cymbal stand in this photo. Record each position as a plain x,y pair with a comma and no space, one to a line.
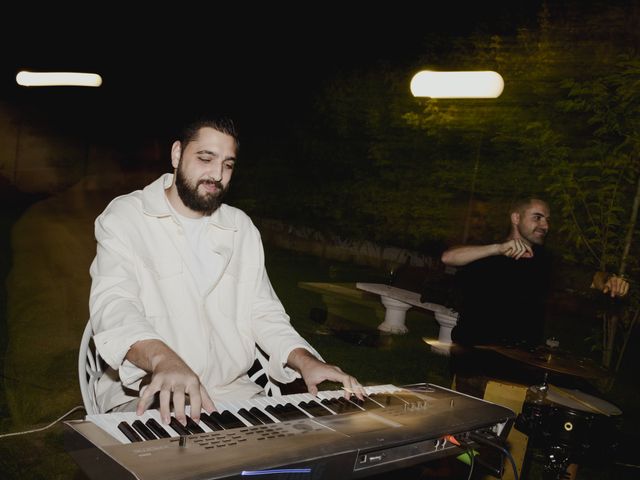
554,456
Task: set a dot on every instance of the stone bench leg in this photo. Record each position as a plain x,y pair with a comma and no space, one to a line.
446,322
394,317
447,319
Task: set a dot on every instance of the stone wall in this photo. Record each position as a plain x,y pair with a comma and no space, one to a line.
313,242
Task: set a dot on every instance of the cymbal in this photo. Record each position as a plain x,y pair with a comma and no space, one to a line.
553,360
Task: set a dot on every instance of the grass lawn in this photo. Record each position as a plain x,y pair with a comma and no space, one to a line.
46,310
373,359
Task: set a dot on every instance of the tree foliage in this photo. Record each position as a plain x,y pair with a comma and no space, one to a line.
375,163
384,166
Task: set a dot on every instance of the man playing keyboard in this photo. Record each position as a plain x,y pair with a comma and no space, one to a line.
180,296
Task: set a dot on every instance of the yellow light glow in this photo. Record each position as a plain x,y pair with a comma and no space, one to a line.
58,79
483,84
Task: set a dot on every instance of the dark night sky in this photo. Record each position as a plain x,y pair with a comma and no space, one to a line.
262,65
252,60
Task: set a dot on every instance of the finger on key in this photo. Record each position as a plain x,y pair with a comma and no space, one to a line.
178,407
195,402
207,403
165,408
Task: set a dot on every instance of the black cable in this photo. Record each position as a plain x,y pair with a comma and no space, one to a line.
480,439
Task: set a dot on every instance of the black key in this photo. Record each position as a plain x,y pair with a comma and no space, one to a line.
278,413
129,432
338,405
227,420
249,417
331,405
350,405
293,412
346,406
210,422
259,414
177,426
285,412
366,404
314,408
156,428
142,429
192,426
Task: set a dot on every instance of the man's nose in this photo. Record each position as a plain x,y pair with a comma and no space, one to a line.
215,172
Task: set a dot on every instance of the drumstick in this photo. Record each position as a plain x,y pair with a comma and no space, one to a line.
563,392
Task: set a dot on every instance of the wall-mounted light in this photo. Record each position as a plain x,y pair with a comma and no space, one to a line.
58,79
482,84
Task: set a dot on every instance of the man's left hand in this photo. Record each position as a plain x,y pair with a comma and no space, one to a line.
616,286
610,284
315,371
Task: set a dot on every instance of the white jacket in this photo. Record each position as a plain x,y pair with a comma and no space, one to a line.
142,289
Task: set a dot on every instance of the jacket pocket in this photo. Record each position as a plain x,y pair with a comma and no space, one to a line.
162,287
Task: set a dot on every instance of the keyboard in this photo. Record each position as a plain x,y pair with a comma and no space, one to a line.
288,436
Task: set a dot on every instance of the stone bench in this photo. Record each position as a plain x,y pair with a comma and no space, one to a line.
396,302
335,294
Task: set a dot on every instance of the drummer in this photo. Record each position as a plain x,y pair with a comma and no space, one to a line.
501,295
502,288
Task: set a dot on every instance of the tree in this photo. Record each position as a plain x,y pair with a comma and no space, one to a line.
587,148
573,114
600,192
383,166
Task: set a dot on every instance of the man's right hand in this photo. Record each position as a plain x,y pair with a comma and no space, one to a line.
465,254
172,379
516,248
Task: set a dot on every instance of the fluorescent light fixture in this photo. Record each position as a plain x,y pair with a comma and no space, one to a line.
483,84
58,79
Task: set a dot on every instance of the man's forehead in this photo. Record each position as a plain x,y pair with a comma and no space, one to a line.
207,138
207,133
538,208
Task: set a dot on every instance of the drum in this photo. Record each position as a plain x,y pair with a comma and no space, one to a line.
584,426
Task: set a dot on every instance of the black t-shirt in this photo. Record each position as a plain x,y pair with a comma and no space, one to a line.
503,301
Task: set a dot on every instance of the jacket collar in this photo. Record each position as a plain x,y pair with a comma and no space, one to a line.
155,203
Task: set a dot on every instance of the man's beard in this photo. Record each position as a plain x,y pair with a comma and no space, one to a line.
532,239
205,204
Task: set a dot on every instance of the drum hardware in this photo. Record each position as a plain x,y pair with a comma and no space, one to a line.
552,360
568,427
